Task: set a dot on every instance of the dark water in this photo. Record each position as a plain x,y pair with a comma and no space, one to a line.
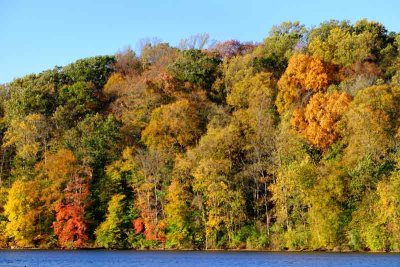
184,258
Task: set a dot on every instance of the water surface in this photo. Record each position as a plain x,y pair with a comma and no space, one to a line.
91,258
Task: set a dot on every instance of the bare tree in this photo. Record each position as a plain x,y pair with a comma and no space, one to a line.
145,42
198,41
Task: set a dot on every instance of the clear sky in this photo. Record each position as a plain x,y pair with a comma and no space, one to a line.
38,34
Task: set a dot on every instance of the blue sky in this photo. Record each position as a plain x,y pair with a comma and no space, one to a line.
38,34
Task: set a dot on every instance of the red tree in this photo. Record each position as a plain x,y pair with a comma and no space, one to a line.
138,225
70,225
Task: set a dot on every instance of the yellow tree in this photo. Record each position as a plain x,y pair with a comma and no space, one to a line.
370,127
250,89
294,173
22,213
377,220
179,214
224,203
114,85
324,199
233,71
222,199
253,99
173,127
371,122
344,44
118,177
342,47
184,228
29,136
387,211
53,172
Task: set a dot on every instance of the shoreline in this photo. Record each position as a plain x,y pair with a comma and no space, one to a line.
209,250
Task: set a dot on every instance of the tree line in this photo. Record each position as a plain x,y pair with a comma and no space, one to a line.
288,144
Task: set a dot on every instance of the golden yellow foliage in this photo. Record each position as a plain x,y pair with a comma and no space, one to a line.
178,213
114,85
343,47
251,89
22,213
54,170
28,135
173,126
371,122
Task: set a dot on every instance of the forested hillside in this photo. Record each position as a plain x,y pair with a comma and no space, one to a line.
291,143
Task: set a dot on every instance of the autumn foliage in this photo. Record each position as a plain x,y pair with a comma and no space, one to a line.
70,225
304,74
318,122
292,143
138,225
174,126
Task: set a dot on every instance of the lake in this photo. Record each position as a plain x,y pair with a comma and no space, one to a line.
104,258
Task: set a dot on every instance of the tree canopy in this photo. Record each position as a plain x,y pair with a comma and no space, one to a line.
292,143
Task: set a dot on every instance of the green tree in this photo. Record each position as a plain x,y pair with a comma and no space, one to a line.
282,41
76,101
195,67
95,140
110,233
93,69
30,94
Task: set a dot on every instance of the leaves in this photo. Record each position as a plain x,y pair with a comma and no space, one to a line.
94,69
304,74
110,234
173,127
22,213
70,225
195,67
318,123
291,143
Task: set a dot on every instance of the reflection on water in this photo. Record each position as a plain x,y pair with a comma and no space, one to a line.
91,258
